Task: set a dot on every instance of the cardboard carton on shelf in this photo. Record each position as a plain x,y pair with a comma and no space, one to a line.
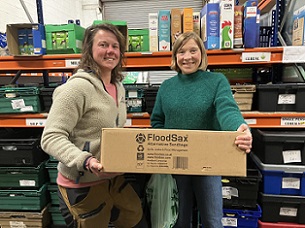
191,152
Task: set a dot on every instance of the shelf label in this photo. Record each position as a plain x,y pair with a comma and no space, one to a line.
293,121
28,183
35,122
251,121
291,182
256,56
290,156
293,54
72,62
288,211
227,221
128,123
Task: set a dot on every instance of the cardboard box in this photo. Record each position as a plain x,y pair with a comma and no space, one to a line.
164,30
298,35
26,39
187,20
226,23
176,24
153,32
165,151
209,16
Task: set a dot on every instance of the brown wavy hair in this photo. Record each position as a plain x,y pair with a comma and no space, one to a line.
182,39
87,62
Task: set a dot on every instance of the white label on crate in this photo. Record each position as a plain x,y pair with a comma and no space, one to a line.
291,182
256,56
133,94
290,156
286,99
15,224
288,211
27,183
27,109
228,192
293,54
291,121
35,122
227,221
128,123
18,104
72,62
251,121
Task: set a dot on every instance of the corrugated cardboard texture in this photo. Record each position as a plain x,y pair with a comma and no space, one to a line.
172,152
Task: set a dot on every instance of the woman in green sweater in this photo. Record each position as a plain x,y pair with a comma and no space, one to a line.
196,99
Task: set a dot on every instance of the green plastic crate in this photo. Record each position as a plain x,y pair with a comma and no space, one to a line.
52,188
24,200
19,100
138,40
23,177
52,171
64,39
121,25
57,218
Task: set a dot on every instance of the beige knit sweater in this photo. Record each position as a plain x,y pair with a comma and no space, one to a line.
80,109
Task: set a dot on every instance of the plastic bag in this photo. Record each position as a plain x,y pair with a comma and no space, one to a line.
162,199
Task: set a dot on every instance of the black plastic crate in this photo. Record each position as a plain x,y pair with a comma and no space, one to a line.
241,192
150,95
277,146
46,98
281,97
22,148
282,208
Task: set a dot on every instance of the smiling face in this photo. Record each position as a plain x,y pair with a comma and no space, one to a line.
189,57
106,50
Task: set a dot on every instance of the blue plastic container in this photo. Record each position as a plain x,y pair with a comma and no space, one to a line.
281,179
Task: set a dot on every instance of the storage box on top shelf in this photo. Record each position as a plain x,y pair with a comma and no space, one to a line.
282,208
298,35
281,147
164,30
209,16
26,39
251,24
226,24
176,24
281,97
153,32
121,25
281,179
64,39
138,40
171,151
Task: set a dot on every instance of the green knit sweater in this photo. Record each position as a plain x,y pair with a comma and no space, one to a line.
198,101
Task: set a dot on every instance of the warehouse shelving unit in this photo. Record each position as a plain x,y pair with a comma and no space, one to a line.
144,61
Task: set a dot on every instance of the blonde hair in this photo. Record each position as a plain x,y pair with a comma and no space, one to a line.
182,39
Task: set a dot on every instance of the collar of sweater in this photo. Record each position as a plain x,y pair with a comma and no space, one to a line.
187,77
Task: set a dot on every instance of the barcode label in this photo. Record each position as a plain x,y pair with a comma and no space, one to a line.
180,162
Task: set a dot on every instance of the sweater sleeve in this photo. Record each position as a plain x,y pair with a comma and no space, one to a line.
69,104
227,111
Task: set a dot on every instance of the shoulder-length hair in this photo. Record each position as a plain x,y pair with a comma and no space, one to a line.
182,39
87,62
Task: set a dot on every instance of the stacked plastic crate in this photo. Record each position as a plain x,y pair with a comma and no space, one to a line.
57,219
280,156
135,97
240,203
23,187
